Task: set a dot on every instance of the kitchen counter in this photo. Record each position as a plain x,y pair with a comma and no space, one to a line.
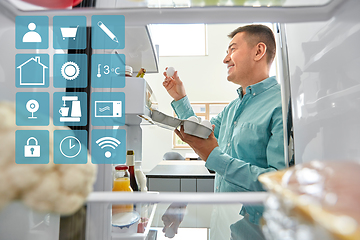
180,176
180,168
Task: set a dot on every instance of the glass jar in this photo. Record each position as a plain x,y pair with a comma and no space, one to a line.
128,71
122,183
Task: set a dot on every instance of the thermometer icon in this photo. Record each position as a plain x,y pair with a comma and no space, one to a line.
107,31
99,74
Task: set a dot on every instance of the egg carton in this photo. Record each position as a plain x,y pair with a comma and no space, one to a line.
192,126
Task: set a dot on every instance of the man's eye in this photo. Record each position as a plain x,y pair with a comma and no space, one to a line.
232,49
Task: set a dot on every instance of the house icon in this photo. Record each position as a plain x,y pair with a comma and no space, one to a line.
32,72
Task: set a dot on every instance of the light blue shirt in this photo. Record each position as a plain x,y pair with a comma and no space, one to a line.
250,136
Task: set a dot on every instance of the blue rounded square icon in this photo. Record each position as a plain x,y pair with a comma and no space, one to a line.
108,70
69,32
108,146
70,146
32,70
70,109
32,108
32,146
32,32
108,32
70,70
108,108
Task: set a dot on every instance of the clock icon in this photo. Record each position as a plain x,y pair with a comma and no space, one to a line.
70,146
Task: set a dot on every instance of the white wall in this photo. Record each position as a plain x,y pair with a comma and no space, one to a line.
204,78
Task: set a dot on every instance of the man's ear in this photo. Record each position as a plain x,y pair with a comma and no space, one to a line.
260,51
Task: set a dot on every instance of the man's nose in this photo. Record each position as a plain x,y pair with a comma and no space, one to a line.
226,59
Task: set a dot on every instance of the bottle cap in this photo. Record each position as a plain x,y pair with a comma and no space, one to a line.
121,167
130,158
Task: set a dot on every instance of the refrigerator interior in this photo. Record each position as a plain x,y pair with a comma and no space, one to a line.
319,75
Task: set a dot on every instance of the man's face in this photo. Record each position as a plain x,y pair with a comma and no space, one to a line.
238,59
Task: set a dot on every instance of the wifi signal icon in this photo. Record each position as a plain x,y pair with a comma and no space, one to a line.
105,142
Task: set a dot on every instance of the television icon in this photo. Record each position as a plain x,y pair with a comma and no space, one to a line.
108,108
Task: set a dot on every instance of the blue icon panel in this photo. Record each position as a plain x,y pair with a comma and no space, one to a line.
32,32
70,70
69,32
108,70
70,147
108,108
32,70
108,146
70,109
108,31
32,109
32,146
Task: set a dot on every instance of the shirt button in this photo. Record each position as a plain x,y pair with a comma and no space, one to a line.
254,94
217,188
235,123
228,144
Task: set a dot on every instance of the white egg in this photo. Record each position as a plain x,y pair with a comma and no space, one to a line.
193,119
170,71
206,123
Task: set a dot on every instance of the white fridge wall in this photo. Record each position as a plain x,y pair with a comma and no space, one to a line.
7,61
325,86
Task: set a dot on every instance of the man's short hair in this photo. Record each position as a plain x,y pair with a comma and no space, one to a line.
256,33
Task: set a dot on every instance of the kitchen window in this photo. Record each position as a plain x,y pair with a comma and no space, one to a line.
179,39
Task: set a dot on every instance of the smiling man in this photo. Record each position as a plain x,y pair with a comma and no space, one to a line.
248,134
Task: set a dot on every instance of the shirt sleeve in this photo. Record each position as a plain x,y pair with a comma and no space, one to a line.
243,176
183,108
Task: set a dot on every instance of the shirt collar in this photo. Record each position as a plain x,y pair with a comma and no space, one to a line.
258,88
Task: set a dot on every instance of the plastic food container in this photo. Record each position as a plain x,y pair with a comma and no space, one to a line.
317,198
126,222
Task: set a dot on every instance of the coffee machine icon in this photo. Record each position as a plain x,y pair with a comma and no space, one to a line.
75,109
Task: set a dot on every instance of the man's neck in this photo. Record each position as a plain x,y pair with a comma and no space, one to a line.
252,82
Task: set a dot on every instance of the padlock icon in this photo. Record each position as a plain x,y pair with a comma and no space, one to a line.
32,150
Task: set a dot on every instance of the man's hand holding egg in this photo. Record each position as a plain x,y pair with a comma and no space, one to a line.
173,84
170,71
